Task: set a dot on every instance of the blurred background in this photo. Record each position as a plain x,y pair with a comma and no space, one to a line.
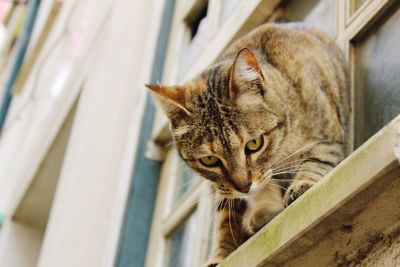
88,174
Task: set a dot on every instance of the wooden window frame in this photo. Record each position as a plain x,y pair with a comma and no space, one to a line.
351,26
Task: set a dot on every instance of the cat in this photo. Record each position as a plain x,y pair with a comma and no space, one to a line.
267,120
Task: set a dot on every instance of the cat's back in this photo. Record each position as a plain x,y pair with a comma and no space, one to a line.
285,39
310,61
297,51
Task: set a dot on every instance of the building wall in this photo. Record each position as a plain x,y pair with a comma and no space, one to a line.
386,253
96,59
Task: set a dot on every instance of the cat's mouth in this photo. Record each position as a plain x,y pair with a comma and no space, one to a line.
249,189
244,193
258,184
234,194
245,188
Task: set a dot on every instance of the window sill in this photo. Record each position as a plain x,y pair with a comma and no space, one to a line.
342,219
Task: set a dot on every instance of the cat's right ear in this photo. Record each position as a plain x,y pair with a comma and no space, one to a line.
245,72
172,99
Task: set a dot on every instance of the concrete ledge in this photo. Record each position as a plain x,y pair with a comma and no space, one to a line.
1,219
341,220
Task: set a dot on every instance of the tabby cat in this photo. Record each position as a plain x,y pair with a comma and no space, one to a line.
263,123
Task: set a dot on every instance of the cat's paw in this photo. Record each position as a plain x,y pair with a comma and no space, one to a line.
256,220
252,224
211,263
295,190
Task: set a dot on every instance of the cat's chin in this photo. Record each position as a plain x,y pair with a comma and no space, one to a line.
255,188
236,195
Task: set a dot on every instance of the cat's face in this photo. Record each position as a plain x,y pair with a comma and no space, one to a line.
224,125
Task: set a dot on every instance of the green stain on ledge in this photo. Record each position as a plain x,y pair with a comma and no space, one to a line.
1,219
351,176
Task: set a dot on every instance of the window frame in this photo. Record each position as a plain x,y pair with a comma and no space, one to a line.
350,26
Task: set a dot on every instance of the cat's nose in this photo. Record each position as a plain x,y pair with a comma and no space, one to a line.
245,188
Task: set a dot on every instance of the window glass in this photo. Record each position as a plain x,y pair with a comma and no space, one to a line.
357,4
377,79
195,38
320,14
181,243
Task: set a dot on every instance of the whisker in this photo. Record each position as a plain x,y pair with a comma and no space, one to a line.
185,184
288,163
287,168
274,169
229,219
298,168
218,201
278,186
173,142
287,180
308,172
303,170
292,171
268,202
297,151
201,198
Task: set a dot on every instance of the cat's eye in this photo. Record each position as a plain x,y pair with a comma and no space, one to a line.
209,161
254,145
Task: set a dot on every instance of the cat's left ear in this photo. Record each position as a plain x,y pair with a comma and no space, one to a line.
172,99
245,72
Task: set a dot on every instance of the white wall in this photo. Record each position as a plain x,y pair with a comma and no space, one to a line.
86,214
109,48
20,245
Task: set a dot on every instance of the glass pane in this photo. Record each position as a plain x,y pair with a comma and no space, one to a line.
318,13
181,243
186,178
195,38
377,79
357,4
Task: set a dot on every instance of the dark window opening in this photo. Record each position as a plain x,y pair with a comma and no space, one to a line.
195,16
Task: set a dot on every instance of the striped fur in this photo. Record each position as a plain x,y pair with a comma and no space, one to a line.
284,82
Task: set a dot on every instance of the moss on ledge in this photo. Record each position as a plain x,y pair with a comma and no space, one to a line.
314,229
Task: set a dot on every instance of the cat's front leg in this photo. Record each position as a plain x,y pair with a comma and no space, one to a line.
256,219
320,160
229,229
213,262
263,206
297,188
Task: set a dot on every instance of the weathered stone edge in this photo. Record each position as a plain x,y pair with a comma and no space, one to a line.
350,177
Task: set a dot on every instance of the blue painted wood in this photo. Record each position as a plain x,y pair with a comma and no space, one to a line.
22,46
141,200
